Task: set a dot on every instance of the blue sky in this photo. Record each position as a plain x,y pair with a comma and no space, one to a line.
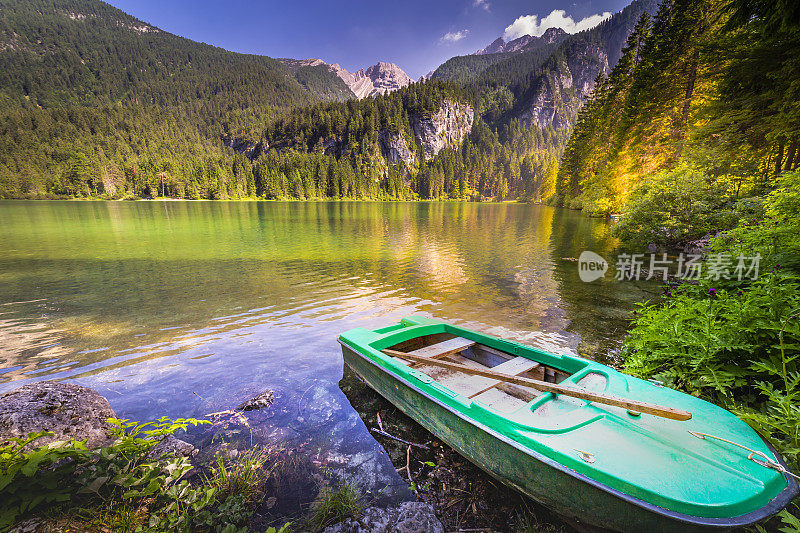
355,33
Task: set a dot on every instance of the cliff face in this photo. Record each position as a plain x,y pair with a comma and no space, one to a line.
446,127
432,132
395,148
558,94
248,148
569,75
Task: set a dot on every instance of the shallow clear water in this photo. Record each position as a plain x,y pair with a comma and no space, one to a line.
188,308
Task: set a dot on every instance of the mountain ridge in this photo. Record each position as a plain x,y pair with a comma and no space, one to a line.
555,95
524,43
377,79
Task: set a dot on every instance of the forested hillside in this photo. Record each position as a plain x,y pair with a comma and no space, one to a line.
97,103
704,107
465,68
372,149
93,100
506,156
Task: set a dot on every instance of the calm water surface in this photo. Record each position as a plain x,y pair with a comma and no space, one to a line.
188,308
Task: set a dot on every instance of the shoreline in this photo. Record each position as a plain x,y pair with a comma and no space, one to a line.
277,200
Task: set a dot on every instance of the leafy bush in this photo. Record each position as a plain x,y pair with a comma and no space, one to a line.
738,348
673,207
711,341
737,343
776,235
114,483
24,491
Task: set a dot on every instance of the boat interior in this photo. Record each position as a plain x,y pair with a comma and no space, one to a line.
496,394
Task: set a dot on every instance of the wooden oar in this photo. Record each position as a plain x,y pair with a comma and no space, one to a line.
633,405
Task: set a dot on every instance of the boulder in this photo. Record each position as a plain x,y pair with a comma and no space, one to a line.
171,446
408,517
262,401
70,411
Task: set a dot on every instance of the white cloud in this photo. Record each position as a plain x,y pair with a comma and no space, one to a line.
483,4
454,36
531,25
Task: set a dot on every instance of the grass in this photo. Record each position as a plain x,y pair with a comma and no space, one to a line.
334,505
113,517
242,476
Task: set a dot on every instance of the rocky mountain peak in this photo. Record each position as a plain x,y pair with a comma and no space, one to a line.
380,78
495,48
387,77
524,43
552,35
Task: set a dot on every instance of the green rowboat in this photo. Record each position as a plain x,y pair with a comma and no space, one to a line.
600,464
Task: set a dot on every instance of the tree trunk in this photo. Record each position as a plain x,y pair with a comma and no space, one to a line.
791,156
683,121
779,158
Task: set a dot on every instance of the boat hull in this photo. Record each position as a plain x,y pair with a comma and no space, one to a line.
565,491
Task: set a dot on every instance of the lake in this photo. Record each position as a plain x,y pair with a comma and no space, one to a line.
189,308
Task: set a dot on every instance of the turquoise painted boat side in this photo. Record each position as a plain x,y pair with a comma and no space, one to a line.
651,459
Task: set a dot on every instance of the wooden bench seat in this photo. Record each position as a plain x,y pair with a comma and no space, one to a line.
512,367
469,385
442,349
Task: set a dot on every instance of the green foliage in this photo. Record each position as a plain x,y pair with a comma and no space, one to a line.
712,344
775,234
675,206
739,348
708,83
320,81
736,343
465,68
22,489
118,483
335,504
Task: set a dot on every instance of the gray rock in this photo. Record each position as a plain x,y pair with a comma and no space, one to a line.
408,517
248,148
262,401
33,525
558,96
395,148
447,127
68,410
171,446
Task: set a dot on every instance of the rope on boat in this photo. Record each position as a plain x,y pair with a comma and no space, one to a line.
767,462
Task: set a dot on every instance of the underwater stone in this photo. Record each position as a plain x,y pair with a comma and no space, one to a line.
408,517
262,401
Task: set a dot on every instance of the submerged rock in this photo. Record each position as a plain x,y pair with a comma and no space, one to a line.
408,517
70,411
171,446
262,401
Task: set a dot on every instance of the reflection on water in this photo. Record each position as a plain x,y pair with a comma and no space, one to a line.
186,308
